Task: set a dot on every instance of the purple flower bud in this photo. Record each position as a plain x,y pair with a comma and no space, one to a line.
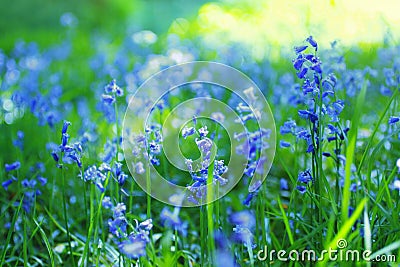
65,127
64,139
55,156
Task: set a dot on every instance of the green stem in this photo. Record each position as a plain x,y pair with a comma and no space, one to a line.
66,217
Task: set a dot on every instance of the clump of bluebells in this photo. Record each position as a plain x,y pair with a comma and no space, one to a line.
254,142
209,163
67,153
130,239
320,109
29,186
109,99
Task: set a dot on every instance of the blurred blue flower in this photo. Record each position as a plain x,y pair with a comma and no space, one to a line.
13,166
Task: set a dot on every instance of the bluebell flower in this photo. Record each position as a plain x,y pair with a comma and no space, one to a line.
117,226
13,166
305,177
106,203
133,247
42,180
119,210
139,168
283,184
249,198
203,131
244,236
65,127
284,144
312,42
299,49
172,220
243,218
113,88
8,182
19,142
393,120
108,99
288,127
302,73
302,189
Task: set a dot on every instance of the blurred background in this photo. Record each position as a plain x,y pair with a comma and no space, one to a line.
264,26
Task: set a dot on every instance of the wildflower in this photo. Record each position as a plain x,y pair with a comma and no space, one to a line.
133,247
42,180
19,142
113,88
65,127
13,166
172,220
312,42
188,131
243,218
393,120
283,184
243,235
302,189
106,202
299,49
8,182
305,177
398,164
284,144
139,167
108,99
203,131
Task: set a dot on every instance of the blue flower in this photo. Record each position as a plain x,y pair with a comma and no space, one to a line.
13,166
187,131
65,127
244,236
312,42
134,247
284,144
299,49
302,189
19,142
305,177
283,184
243,218
393,120
8,182
106,202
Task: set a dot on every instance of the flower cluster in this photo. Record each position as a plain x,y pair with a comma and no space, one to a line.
30,187
132,244
112,91
200,171
68,153
320,109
